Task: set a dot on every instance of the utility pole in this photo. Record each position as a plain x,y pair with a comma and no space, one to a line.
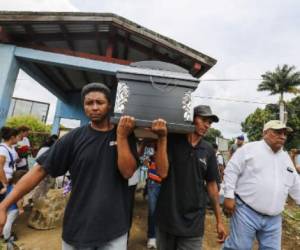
281,111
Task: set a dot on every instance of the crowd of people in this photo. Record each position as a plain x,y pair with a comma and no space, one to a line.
183,171
14,151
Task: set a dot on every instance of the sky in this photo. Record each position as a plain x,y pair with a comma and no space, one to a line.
246,37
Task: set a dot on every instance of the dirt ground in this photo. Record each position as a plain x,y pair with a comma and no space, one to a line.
31,239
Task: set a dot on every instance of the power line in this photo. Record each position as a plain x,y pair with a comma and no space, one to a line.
230,80
215,98
229,99
201,80
235,122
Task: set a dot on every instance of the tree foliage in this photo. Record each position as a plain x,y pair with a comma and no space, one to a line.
283,80
32,122
293,109
253,124
212,134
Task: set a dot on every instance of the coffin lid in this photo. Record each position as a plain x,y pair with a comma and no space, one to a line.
158,73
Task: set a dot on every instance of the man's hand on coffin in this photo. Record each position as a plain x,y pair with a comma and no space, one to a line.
125,126
159,127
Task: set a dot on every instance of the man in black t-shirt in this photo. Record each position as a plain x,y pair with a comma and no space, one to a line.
100,159
192,169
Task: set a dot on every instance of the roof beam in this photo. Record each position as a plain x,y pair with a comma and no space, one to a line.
126,46
33,71
111,43
4,37
68,61
80,54
88,36
59,36
91,35
86,77
145,49
98,39
151,55
65,78
31,34
65,33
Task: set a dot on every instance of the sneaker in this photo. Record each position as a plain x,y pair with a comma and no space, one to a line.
151,244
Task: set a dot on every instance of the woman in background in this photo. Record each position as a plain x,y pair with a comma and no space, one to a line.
8,157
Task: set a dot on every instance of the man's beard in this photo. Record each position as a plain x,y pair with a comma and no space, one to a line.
100,119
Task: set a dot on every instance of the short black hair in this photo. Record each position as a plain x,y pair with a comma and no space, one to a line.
7,132
23,128
95,86
50,141
215,145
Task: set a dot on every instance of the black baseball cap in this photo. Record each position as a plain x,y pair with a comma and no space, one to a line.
205,111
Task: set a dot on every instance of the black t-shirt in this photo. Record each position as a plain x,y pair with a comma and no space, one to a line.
181,204
97,210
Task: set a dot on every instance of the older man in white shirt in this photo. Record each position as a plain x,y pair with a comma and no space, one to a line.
258,179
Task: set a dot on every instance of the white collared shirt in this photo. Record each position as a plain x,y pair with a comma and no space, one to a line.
263,179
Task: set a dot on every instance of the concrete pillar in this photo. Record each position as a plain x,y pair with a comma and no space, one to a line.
56,121
55,125
69,109
9,70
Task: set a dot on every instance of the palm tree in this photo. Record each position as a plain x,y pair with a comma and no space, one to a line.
283,80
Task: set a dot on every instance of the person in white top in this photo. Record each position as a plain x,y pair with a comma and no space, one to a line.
24,141
258,179
8,157
220,161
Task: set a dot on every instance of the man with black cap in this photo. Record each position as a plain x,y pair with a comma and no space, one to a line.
258,179
100,158
180,210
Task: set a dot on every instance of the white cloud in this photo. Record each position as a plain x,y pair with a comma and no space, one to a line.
27,88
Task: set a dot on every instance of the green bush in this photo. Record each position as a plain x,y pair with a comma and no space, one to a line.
32,122
39,131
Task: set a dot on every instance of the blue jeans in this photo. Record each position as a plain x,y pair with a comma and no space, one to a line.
119,243
153,192
246,224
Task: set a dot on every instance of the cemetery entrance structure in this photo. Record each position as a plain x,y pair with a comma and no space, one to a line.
64,51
